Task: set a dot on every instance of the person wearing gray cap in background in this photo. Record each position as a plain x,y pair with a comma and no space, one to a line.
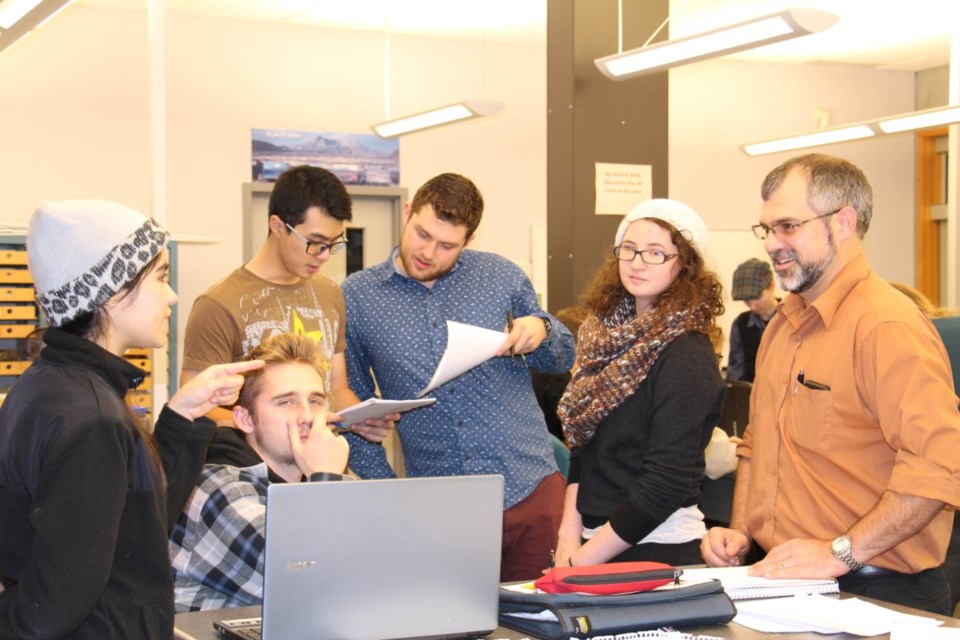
753,284
642,405
86,492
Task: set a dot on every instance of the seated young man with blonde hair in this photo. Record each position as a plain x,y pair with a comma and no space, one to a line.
282,435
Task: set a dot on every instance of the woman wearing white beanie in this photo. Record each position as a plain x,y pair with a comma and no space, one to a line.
642,404
86,493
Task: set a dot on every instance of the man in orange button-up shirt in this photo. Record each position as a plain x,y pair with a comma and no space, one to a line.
850,465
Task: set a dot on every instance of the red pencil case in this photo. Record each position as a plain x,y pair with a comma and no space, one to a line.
609,578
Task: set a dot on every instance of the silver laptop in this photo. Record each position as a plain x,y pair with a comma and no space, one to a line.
380,559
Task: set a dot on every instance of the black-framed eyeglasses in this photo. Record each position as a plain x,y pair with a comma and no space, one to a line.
648,256
315,248
785,229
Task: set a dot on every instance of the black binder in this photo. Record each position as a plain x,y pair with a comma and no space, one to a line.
582,616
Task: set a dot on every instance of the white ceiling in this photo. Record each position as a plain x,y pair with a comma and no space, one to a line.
888,34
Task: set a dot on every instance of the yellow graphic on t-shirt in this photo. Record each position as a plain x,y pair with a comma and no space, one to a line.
299,330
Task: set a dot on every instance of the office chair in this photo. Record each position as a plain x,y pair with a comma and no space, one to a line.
736,407
561,454
717,495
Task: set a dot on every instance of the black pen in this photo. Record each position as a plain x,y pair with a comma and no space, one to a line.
811,384
510,326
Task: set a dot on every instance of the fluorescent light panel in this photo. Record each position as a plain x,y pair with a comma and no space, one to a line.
436,117
809,140
758,32
920,120
20,17
894,124
12,10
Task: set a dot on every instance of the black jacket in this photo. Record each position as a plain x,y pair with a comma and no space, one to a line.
84,511
646,459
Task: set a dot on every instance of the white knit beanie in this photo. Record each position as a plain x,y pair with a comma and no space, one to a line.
82,252
681,216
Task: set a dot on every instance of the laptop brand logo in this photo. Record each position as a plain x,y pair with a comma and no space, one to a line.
303,565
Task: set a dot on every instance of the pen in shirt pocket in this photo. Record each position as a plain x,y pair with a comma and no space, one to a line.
811,384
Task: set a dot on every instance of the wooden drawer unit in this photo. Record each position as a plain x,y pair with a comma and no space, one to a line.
15,276
23,312
17,294
16,331
13,256
19,317
13,367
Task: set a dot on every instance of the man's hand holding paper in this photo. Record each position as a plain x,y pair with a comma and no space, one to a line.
524,335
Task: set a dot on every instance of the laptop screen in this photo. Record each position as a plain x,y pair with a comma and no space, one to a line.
380,559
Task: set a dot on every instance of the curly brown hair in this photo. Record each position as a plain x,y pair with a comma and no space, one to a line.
695,286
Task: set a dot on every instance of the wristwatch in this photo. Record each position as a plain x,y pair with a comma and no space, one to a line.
547,324
325,476
842,550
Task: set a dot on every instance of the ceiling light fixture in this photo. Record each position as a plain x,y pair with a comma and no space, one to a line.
436,117
881,126
20,17
790,23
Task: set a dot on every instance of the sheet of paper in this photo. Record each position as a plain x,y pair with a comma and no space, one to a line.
467,347
824,614
376,408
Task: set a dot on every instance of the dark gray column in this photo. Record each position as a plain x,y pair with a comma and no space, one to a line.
594,119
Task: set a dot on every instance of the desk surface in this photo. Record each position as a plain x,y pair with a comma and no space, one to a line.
199,626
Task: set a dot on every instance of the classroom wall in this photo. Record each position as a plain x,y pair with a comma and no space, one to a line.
74,122
750,102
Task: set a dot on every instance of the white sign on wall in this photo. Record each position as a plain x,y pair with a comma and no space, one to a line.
621,187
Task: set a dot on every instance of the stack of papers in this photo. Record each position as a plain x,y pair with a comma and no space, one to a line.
825,615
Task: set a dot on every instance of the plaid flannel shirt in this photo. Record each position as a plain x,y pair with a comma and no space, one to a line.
216,547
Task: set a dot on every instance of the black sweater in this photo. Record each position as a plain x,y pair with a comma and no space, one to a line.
646,459
84,511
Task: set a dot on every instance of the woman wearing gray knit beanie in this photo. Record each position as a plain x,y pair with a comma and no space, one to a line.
87,495
642,404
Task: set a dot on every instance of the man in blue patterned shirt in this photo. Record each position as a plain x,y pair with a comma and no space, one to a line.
282,435
487,420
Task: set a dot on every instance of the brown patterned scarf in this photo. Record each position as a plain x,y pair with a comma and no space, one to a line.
615,355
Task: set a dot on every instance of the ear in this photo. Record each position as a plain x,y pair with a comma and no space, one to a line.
469,240
406,212
847,222
243,419
276,225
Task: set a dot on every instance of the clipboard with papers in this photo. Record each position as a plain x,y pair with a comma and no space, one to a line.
375,408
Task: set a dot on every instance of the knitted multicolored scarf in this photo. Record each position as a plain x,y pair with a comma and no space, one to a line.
615,355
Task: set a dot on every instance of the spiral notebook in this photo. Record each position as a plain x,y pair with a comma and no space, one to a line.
740,586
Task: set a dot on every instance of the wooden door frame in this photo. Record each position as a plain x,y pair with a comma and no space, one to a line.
929,178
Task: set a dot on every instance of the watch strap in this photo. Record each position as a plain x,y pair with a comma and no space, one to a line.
325,476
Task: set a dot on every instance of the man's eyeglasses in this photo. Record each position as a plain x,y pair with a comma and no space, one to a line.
785,229
315,248
648,256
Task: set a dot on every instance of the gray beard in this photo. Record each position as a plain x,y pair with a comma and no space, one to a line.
804,274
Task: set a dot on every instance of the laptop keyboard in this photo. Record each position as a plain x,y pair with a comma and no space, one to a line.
240,628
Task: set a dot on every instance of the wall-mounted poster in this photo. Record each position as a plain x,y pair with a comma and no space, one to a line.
356,158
